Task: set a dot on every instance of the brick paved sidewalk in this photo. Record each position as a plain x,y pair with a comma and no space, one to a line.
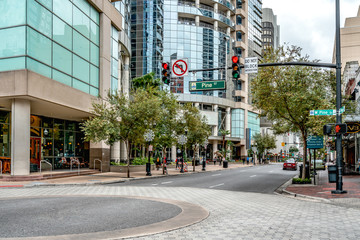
111,177
323,190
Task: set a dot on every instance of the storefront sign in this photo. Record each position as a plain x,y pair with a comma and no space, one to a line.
353,127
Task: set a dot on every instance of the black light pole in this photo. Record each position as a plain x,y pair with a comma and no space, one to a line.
204,160
182,139
339,182
149,136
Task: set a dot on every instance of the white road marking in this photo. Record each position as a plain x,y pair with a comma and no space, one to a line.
217,185
216,174
253,176
166,182
270,171
154,184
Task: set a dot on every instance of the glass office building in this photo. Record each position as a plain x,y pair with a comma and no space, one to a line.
54,60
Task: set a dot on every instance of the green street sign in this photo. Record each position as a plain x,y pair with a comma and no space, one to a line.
326,112
315,142
206,85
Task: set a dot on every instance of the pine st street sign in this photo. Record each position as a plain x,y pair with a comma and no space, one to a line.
326,112
206,85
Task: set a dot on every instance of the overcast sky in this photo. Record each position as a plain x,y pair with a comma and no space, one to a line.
310,24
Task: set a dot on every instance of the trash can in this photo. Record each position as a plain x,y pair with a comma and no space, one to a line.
332,173
225,164
307,173
33,167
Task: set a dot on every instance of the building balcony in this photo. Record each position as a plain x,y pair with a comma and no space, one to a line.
240,44
241,12
240,28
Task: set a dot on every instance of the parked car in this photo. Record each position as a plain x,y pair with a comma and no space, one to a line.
290,164
319,164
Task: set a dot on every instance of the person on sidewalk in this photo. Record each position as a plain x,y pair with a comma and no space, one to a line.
176,163
158,163
247,160
243,160
214,160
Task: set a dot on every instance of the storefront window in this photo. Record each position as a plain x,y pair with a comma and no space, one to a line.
56,141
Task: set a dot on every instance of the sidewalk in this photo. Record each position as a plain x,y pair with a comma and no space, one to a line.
351,184
114,177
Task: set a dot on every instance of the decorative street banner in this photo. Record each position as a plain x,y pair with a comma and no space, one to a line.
206,85
315,142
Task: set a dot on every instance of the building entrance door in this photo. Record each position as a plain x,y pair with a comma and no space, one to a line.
35,150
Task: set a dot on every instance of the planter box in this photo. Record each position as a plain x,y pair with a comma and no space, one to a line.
133,168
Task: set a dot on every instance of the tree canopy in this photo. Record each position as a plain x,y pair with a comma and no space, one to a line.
286,94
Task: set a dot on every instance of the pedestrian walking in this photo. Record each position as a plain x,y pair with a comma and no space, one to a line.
176,163
247,160
243,161
214,160
158,163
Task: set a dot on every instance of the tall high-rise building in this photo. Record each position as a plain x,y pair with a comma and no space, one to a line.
271,30
56,57
207,34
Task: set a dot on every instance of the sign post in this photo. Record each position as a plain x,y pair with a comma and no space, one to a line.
314,142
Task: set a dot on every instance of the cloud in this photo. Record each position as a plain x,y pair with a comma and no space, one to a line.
310,24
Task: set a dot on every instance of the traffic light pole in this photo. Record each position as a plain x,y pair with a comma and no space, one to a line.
339,157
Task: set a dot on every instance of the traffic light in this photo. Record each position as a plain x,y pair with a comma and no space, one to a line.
235,67
341,128
166,73
327,129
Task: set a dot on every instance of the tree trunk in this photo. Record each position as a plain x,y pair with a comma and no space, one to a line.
304,137
128,160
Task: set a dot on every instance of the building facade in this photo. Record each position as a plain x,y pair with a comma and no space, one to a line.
271,30
207,34
56,57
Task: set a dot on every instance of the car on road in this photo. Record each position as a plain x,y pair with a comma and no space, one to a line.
319,164
290,164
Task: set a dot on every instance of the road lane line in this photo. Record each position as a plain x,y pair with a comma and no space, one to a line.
253,176
216,185
271,171
154,184
216,174
166,182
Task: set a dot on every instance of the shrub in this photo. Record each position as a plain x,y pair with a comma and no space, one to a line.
141,161
300,181
118,163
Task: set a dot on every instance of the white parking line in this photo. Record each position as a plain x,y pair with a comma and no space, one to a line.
217,185
253,176
166,182
216,174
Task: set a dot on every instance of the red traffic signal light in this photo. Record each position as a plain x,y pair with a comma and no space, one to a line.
166,73
235,59
341,128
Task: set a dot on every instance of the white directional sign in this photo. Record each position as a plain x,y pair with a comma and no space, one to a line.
251,65
179,67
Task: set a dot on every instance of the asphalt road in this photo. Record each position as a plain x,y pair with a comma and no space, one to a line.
258,179
48,216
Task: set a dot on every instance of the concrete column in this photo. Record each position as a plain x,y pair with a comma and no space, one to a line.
173,153
20,137
197,21
228,14
215,147
126,75
216,127
100,151
123,151
197,3
216,24
115,152
105,54
197,105
216,7
228,120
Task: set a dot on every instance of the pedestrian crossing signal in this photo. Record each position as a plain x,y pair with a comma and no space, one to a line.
341,128
166,73
235,67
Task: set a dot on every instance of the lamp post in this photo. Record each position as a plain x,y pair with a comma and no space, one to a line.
206,142
149,136
182,139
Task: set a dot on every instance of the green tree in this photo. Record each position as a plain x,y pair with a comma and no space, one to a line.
287,94
147,81
293,149
118,117
264,143
197,128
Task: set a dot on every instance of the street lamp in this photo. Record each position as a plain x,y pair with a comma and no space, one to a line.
206,142
149,136
182,139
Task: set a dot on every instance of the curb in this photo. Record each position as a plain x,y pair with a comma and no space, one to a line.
282,191
40,184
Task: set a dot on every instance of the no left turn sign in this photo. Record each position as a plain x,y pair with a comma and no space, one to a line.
179,67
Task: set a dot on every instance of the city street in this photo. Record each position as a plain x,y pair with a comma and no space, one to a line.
208,211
